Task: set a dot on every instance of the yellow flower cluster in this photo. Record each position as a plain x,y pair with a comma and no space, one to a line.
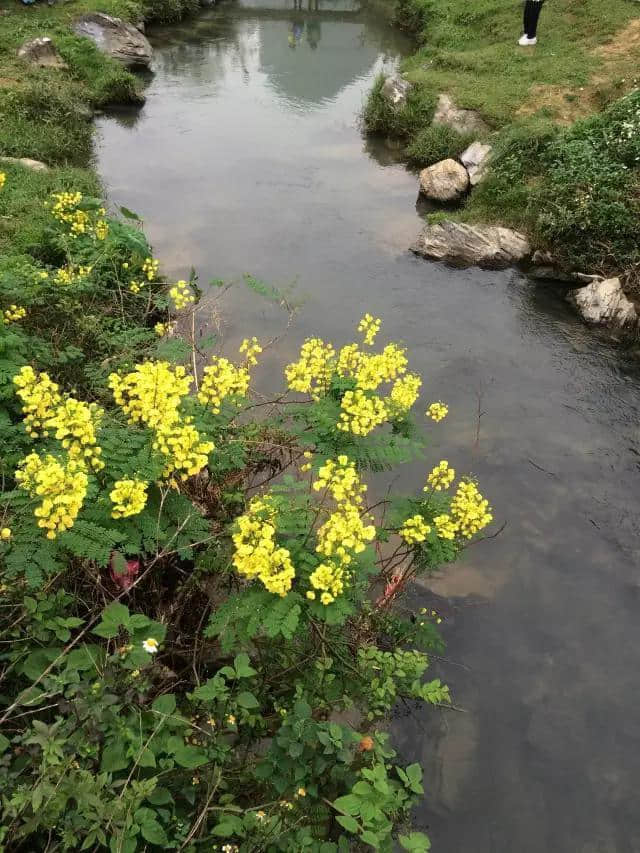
312,372
160,329
440,477
415,530
437,411
71,274
404,392
182,295
150,268
344,534
445,527
101,229
5,534
65,209
40,397
360,414
128,497
151,395
136,286
222,379
13,313
381,367
62,487
256,552
469,510
370,328
252,348
3,179
180,442
75,423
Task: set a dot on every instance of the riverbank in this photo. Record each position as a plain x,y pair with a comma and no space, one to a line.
563,120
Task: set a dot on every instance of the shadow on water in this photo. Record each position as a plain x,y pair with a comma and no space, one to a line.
247,157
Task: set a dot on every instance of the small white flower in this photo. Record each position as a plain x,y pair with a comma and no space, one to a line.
150,645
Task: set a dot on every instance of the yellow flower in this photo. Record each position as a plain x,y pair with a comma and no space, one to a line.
5,534
440,477
222,379
252,348
150,268
469,510
13,313
361,414
370,328
182,295
135,286
312,372
437,411
415,530
62,487
311,595
445,526
301,792
151,393
3,179
231,720
101,229
257,554
71,274
160,329
404,393
128,497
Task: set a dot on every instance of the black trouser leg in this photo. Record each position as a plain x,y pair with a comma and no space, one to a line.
531,15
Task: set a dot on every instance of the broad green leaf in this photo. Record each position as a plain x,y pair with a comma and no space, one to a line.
113,758
189,756
242,666
165,704
348,804
153,832
247,700
348,823
160,797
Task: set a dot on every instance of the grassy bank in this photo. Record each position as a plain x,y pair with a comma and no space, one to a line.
564,117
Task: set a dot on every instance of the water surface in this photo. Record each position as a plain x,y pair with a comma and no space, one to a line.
247,157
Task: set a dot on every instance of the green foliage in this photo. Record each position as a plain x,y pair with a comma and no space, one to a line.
402,121
437,142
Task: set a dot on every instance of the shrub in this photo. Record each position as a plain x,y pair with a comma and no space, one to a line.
193,596
401,122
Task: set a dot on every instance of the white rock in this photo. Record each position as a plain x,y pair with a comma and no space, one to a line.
604,303
475,159
116,37
444,181
34,165
41,52
488,246
395,90
464,121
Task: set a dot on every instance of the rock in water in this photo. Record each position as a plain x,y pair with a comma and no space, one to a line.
464,121
604,303
115,37
41,52
488,246
395,90
444,181
475,159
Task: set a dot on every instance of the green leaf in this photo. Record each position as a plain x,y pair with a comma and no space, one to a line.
416,842
214,688
189,756
414,774
228,826
153,832
348,823
242,666
113,758
247,700
370,838
160,797
165,704
147,758
348,804
129,214
5,743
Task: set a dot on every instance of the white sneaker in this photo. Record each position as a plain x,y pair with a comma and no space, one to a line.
525,41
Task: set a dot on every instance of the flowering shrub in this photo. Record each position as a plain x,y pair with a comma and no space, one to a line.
194,595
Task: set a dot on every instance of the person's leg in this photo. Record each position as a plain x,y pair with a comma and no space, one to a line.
531,15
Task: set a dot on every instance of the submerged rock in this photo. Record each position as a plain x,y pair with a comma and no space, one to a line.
464,121
604,303
42,53
395,90
116,37
444,181
456,243
34,165
475,159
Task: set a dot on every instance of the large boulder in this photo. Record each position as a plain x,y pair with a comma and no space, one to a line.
604,303
42,53
458,244
464,121
475,159
395,90
116,37
34,165
444,181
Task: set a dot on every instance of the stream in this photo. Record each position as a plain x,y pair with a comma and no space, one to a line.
248,158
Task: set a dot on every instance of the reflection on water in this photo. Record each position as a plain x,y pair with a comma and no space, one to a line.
247,157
